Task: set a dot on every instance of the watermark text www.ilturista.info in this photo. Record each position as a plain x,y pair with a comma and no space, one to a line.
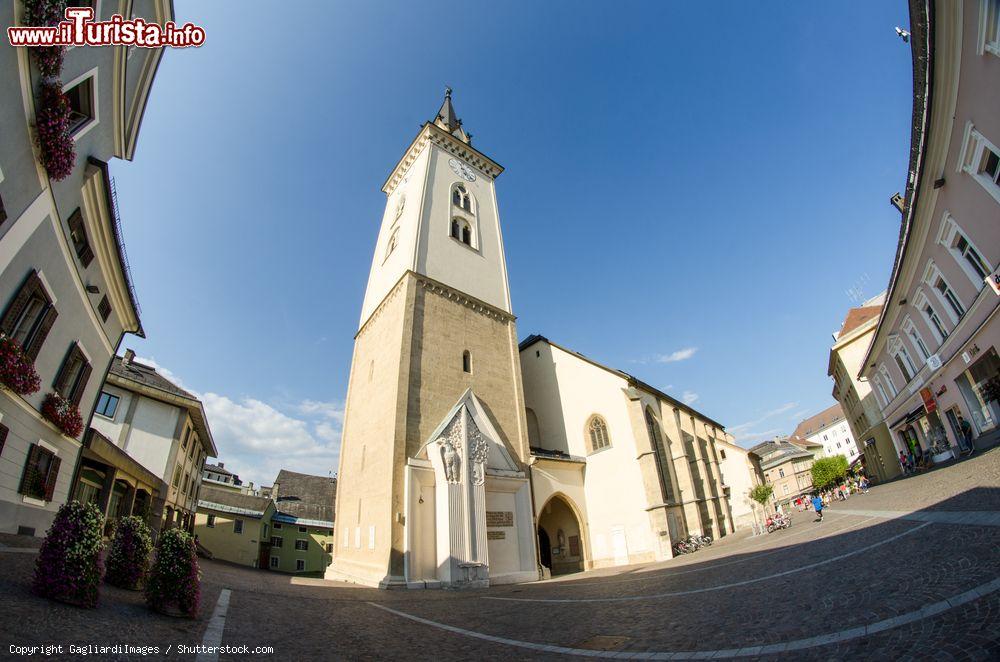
80,29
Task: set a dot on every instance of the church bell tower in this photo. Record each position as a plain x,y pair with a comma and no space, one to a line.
432,486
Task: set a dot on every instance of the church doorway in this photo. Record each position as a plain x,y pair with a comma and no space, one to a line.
560,537
544,548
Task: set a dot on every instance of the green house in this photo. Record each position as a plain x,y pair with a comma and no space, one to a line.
301,538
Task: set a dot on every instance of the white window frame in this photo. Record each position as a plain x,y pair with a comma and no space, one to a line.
921,302
241,523
357,537
95,94
275,561
948,236
910,330
880,391
371,537
391,244
302,540
887,378
897,349
989,28
931,276
973,158
300,565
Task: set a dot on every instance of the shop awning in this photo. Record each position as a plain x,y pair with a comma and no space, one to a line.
909,418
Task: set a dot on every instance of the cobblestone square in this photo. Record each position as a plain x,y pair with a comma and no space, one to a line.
814,591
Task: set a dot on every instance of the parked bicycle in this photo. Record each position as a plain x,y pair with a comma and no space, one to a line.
778,522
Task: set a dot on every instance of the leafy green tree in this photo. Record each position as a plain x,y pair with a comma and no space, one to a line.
827,471
762,493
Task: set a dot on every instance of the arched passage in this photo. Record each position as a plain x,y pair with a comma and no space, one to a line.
560,532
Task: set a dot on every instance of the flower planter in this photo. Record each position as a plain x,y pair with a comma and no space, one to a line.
17,373
63,414
943,457
68,568
52,123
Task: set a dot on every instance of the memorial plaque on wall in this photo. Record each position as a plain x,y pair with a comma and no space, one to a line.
497,518
496,535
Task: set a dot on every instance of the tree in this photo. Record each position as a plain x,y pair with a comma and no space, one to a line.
762,493
827,471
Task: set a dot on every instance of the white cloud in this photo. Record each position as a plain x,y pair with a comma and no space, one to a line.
741,429
679,355
255,439
164,372
745,437
689,397
330,410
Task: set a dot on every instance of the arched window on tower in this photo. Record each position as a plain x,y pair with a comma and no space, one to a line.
466,234
597,431
456,230
467,361
461,198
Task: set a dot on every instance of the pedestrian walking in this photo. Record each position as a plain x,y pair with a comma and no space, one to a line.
817,503
966,429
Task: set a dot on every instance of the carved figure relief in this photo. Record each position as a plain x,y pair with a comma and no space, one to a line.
479,450
450,444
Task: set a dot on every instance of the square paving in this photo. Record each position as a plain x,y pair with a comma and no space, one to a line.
909,571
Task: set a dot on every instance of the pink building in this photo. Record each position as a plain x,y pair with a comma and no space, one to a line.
933,362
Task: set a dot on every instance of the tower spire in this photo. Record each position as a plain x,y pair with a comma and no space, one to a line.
448,120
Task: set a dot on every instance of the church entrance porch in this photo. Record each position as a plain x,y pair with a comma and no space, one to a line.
560,537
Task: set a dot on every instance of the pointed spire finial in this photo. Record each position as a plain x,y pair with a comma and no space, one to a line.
448,120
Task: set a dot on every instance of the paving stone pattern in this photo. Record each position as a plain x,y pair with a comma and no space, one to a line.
862,583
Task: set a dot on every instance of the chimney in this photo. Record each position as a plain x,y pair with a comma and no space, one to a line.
222,465
129,356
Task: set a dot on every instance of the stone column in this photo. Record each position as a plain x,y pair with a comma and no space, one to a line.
109,485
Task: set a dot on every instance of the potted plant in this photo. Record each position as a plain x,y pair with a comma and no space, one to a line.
68,567
46,13
52,124
17,373
174,585
128,557
63,413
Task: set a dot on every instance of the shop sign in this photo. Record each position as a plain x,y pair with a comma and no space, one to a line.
930,404
993,280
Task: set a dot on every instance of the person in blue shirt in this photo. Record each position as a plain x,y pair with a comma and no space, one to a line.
817,503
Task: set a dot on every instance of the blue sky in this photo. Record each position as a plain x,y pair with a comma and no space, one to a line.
690,192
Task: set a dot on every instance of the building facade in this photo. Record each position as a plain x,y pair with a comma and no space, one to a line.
741,472
933,360
831,430
234,527
787,468
66,296
302,534
595,431
160,425
856,396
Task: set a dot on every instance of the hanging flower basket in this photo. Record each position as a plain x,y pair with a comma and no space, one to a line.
17,373
52,123
68,568
44,14
63,413
128,557
174,586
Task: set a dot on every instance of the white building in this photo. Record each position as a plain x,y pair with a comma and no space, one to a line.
831,429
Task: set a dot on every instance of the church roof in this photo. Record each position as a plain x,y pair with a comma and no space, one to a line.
447,119
631,379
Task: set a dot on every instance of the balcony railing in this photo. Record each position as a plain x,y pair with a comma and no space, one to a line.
122,253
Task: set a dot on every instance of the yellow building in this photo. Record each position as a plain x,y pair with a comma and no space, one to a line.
234,527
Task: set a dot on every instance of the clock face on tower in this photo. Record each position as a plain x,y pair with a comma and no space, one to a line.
462,170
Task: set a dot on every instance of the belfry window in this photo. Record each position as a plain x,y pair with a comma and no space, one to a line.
467,235
461,231
461,198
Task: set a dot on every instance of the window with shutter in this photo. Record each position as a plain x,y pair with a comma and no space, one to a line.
104,308
73,376
3,437
40,473
29,316
78,234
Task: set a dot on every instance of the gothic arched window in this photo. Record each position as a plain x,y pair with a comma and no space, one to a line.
456,230
597,431
466,235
